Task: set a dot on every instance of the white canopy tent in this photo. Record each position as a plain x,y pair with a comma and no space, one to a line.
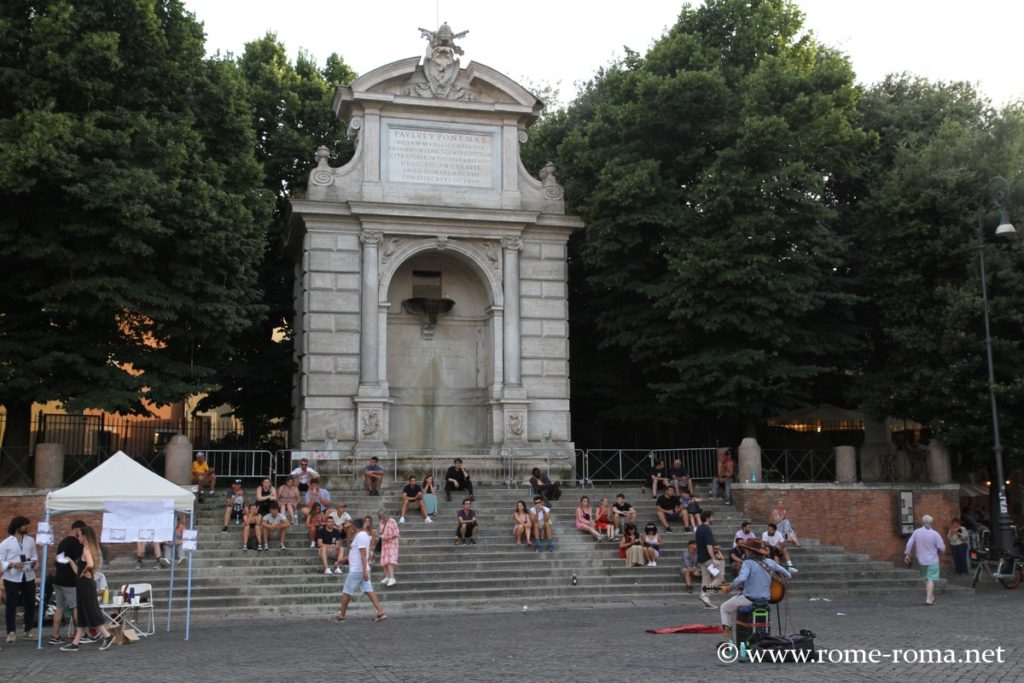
120,479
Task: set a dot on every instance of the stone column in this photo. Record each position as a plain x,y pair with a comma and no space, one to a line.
511,247
49,465
938,463
750,461
369,310
846,465
877,445
178,460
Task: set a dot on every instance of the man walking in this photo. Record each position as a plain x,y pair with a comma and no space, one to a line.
927,544
359,572
18,558
711,570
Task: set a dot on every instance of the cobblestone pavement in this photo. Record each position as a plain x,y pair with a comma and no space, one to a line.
605,643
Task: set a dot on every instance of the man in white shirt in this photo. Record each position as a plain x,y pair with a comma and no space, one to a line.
275,521
359,571
303,474
540,514
18,558
774,538
343,521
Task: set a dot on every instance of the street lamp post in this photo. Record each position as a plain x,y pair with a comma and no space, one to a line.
1003,527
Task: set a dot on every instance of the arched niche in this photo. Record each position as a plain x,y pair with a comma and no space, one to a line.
438,379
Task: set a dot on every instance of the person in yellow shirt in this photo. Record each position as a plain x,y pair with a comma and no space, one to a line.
202,473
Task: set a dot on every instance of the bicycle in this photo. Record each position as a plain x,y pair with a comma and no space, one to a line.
1009,570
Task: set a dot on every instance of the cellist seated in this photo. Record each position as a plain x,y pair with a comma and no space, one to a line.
754,580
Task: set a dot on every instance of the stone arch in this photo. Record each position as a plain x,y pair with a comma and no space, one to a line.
485,269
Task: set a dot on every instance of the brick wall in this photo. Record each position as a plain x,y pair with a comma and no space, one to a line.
31,503
862,518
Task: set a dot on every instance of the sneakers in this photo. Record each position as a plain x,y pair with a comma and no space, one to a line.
668,530
792,569
160,565
401,520
312,544
652,564
393,581
70,647
328,571
138,563
245,548
472,541
261,548
536,546
55,640
164,562
283,547
224,530
428,520
86,640
11,637
707,601
551,546
107,642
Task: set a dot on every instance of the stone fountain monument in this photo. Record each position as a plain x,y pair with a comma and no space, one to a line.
431,299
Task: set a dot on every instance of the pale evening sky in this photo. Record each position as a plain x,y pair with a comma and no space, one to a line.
563,42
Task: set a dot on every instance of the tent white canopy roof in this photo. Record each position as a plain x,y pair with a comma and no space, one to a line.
117,479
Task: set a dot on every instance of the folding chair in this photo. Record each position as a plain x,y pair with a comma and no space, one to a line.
144,603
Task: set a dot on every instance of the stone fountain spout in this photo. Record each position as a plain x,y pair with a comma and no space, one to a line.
430,309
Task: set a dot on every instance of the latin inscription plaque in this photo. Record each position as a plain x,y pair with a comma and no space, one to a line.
433,156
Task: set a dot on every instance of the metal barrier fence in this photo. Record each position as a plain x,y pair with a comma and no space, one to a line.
608,465
250,466
484,466
785,465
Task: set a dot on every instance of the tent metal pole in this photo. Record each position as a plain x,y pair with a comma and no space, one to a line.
42,591
188,598
170,592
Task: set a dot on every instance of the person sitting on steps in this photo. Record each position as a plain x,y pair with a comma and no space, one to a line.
541,517
252,525
670,509
658,476
412,493
631,547
468,524
275,521
235,504
522,525
457,479
328,541
543,486
623,512
373,477
773,537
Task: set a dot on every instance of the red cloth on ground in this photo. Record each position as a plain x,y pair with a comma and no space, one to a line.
689,628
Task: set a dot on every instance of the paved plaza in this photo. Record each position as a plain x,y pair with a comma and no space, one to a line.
595,643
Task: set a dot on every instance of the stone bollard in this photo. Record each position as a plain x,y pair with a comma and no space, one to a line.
877,445
178,460
846,465
750,461
938,463
49,465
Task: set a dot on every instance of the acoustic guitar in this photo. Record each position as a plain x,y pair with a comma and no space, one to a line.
776,594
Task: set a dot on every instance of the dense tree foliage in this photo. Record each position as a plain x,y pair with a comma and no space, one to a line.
913,206
704,171
133,221
291,107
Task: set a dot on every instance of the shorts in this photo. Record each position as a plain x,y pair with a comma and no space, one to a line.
930,572
671,516
693,509
65,596
355,581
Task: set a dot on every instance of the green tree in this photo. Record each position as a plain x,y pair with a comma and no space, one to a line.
291,114
133,224
913,207
705,171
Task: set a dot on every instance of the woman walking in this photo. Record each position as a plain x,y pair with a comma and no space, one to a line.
90,616
389,547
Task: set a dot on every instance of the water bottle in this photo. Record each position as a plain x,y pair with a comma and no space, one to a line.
106,596
753,477
574,581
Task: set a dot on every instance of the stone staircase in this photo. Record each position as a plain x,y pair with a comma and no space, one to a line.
434,574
